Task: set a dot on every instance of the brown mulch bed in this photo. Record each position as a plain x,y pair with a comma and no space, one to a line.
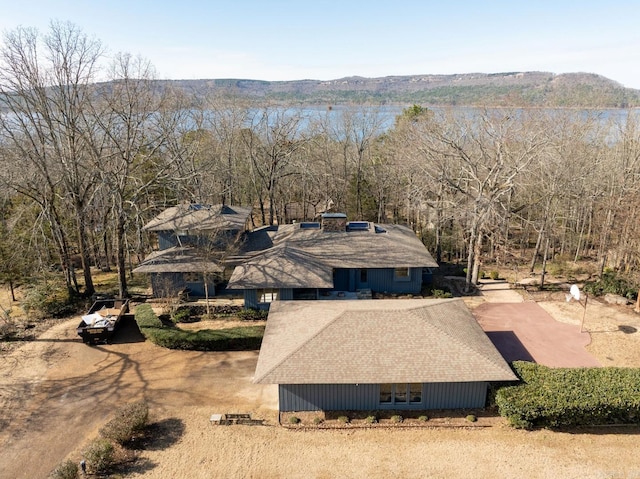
391,419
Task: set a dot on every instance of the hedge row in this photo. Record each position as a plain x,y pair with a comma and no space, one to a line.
232,339
571,397
104,453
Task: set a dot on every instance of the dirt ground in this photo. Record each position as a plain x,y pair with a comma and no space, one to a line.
56,393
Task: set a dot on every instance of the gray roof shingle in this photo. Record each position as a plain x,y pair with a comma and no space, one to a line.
177,260
186,217
396,247
376,341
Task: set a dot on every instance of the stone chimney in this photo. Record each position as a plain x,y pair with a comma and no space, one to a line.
334,222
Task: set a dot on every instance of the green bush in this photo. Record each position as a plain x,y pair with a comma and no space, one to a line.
146,318
181,316
570,397
317,420
423,418
371,419
343,419
471,418
612,283
294,420
438,293
128,421
397,418
65,470
494,275
44,300
231,339
100,456
253,314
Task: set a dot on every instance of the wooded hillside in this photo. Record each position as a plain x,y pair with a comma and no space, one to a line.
516,89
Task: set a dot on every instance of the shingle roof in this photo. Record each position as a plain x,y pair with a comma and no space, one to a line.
397,246
177,260
185,217
376,341
284,266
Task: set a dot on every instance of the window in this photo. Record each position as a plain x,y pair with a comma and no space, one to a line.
386,393
363,276
401,274
267,295
415,392
192,277
401,393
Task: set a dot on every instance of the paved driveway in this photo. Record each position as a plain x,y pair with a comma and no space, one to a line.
525,331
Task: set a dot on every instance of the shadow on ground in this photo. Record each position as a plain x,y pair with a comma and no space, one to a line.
163,434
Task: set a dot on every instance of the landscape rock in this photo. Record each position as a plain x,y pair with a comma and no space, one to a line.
615,299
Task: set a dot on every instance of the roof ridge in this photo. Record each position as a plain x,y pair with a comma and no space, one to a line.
300,346
455,338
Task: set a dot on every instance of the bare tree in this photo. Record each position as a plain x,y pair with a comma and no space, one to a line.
272,153
135,124
48,97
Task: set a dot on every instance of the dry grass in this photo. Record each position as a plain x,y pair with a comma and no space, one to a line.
56,393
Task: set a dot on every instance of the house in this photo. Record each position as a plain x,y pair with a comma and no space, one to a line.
193,241
334,258
399,354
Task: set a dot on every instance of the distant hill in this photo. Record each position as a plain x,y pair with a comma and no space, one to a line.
522,89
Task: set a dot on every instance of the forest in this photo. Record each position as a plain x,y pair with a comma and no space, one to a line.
91,149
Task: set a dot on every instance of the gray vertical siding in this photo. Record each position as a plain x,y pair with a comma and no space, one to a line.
285,294
365,397
382,280
166,284
328,397
250,298
197,289
454,395
166,239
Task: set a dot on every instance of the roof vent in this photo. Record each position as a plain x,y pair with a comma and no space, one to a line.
358,226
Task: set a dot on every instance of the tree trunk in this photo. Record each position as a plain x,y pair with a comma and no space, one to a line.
89,289
206,293
470,258
537,250
544,264
476,261
121,257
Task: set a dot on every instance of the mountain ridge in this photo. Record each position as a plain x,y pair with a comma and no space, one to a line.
466,89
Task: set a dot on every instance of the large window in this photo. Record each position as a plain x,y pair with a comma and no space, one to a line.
401,393
267,295
401,274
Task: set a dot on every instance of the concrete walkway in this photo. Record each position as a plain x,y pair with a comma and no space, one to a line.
499,291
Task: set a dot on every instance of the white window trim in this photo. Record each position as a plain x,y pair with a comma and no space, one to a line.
267,295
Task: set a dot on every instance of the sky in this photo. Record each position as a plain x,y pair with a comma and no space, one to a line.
324,40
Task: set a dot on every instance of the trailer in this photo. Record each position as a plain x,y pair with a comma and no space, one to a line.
102,320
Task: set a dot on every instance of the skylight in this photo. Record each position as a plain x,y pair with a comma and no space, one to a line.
309,225
358,226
